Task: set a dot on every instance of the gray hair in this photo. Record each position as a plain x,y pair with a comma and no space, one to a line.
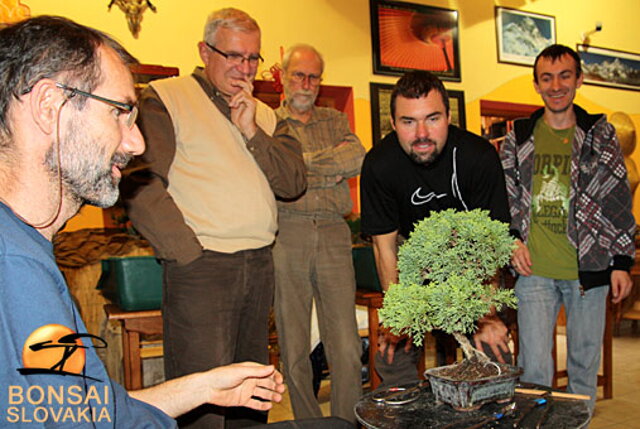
233,19
300,47
49,47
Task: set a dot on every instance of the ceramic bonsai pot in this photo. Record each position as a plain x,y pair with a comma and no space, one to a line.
467,395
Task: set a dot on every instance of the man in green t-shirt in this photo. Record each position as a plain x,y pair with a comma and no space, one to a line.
570,206
553,256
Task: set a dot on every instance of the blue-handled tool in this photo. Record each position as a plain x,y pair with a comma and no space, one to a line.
495,416
535,403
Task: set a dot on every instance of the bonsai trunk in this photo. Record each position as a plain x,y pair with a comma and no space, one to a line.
469,351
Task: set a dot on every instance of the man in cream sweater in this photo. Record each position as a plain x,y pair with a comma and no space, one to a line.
217,158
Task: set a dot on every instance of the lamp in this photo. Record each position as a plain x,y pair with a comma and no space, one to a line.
586,35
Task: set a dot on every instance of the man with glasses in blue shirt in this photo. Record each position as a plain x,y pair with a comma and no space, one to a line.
67,129
217,158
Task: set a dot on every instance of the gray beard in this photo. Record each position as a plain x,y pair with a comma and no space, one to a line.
301,106
86,183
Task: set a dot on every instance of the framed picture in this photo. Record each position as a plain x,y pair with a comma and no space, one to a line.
522,35
457,108
381,110
407,36
607,67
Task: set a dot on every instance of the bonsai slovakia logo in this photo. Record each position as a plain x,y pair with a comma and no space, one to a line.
57,350
53,349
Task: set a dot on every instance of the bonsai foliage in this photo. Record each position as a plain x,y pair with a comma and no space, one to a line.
445,268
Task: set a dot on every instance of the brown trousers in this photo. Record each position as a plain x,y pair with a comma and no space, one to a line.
313,262
215,312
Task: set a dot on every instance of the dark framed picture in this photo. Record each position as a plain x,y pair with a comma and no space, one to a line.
608,67
521,35
407,36
457,108
381,110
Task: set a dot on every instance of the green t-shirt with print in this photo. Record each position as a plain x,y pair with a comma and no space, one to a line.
552,255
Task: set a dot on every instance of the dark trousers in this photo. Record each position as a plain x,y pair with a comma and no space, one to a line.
215,312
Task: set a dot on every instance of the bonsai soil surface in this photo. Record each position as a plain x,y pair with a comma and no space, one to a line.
468,370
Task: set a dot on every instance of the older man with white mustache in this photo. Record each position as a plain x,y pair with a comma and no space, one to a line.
312,254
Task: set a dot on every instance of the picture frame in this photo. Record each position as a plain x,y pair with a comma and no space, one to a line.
408,36
609,67
381,113
521,35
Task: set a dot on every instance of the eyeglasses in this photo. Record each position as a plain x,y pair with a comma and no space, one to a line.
129,110
300,77
236,59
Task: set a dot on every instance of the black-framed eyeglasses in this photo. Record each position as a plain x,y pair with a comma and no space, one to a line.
300,77
236,59
129,110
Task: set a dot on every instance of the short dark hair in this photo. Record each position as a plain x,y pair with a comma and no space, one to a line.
416,84
45,47
554,52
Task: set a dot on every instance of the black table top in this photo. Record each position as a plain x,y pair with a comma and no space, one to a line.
557,413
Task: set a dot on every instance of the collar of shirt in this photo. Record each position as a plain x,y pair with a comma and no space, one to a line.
212,92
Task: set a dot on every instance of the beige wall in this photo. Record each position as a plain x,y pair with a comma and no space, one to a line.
340,29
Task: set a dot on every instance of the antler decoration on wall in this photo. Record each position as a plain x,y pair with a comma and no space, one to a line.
134,10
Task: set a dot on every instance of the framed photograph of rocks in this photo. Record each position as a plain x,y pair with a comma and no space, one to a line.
521,35
607,67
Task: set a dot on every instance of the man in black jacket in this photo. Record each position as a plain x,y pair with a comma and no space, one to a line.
426,165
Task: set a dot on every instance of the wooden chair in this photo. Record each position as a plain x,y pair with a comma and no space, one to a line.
135,325
373,301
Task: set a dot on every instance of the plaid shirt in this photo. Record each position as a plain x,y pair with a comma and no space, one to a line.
600,224
332,154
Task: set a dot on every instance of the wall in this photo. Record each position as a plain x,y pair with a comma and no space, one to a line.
340,29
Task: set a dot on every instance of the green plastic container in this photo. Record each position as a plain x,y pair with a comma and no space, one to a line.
364,265
134,282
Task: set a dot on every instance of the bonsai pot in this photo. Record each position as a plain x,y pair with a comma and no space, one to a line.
467,395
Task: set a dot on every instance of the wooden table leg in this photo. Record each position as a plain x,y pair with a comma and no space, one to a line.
373,347
132,360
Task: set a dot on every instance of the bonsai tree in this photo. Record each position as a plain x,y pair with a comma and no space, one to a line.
445,268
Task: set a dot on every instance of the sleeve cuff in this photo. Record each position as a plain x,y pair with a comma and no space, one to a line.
622,263
515,234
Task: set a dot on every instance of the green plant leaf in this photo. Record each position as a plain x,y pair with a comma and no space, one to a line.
444,270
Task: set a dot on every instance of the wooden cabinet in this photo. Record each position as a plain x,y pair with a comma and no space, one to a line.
145,73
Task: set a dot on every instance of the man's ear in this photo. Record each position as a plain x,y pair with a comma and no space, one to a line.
536,87
45,101
204,52
393,122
